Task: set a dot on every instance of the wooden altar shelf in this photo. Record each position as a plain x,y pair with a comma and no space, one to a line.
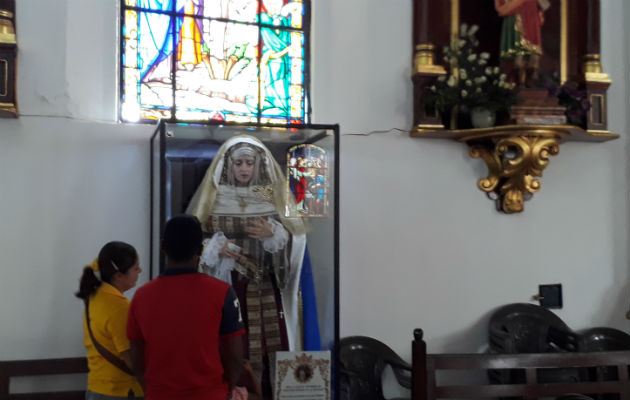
8,60
515,155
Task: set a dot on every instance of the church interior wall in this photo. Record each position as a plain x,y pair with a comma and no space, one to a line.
421,246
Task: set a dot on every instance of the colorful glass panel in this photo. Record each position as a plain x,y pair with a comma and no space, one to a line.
307,171
281,75
157,5
213,60
233,10
147,90
219,71
283,13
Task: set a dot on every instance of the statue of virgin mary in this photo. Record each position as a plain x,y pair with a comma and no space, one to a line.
256,244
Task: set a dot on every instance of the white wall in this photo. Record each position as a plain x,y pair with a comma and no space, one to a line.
414,227
71,179
432,253
68,187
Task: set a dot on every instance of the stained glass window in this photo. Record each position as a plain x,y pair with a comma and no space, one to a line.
226,60
307,172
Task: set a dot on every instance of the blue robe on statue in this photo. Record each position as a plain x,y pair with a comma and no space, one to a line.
310,327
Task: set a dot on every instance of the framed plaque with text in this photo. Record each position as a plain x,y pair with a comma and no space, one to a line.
303,375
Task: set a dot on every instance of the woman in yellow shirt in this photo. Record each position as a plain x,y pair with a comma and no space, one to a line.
102,285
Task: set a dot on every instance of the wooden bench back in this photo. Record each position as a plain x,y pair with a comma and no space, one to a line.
425,366
53,366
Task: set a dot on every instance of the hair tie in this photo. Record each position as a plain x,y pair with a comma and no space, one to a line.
94,265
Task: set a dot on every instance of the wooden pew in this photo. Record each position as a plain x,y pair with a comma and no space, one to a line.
53,366
426,387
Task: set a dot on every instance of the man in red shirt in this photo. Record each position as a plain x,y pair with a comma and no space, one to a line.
185,327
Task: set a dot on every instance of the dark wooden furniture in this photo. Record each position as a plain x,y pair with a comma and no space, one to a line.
362,362
425,386
53,366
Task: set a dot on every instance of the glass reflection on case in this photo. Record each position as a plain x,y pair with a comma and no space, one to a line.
307,172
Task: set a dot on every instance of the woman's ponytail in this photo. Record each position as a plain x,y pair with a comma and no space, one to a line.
88,284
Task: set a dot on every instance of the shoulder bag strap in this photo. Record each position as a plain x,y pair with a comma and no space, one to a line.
108,355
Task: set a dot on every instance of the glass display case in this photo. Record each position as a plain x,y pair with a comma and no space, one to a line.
267,198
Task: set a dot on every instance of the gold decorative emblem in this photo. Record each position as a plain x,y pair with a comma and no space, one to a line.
263,192
513,163
304,359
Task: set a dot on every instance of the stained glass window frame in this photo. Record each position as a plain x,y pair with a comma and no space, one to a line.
130,88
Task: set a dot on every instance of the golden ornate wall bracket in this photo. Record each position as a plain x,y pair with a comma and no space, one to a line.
516,156
513,165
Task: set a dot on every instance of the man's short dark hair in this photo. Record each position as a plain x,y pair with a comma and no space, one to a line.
182,238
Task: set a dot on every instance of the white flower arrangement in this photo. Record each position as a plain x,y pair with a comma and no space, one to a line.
472,82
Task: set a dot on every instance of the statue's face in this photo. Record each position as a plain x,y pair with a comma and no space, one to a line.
243,168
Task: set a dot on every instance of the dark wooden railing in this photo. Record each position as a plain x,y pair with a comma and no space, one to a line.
53,366
426,387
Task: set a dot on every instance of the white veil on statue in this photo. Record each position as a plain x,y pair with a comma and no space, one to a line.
202,203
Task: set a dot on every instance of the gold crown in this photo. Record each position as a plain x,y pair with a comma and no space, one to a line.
304,359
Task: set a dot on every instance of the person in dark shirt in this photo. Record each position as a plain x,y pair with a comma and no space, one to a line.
185,327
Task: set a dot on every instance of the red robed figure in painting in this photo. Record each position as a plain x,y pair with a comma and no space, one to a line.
521,37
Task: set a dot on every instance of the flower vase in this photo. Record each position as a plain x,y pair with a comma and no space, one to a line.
482,117
456,118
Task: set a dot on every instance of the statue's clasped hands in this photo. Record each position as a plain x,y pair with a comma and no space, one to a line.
258,228
230,250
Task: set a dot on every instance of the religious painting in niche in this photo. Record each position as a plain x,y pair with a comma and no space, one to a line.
255,244
307,167
227,60
548,49
523,36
